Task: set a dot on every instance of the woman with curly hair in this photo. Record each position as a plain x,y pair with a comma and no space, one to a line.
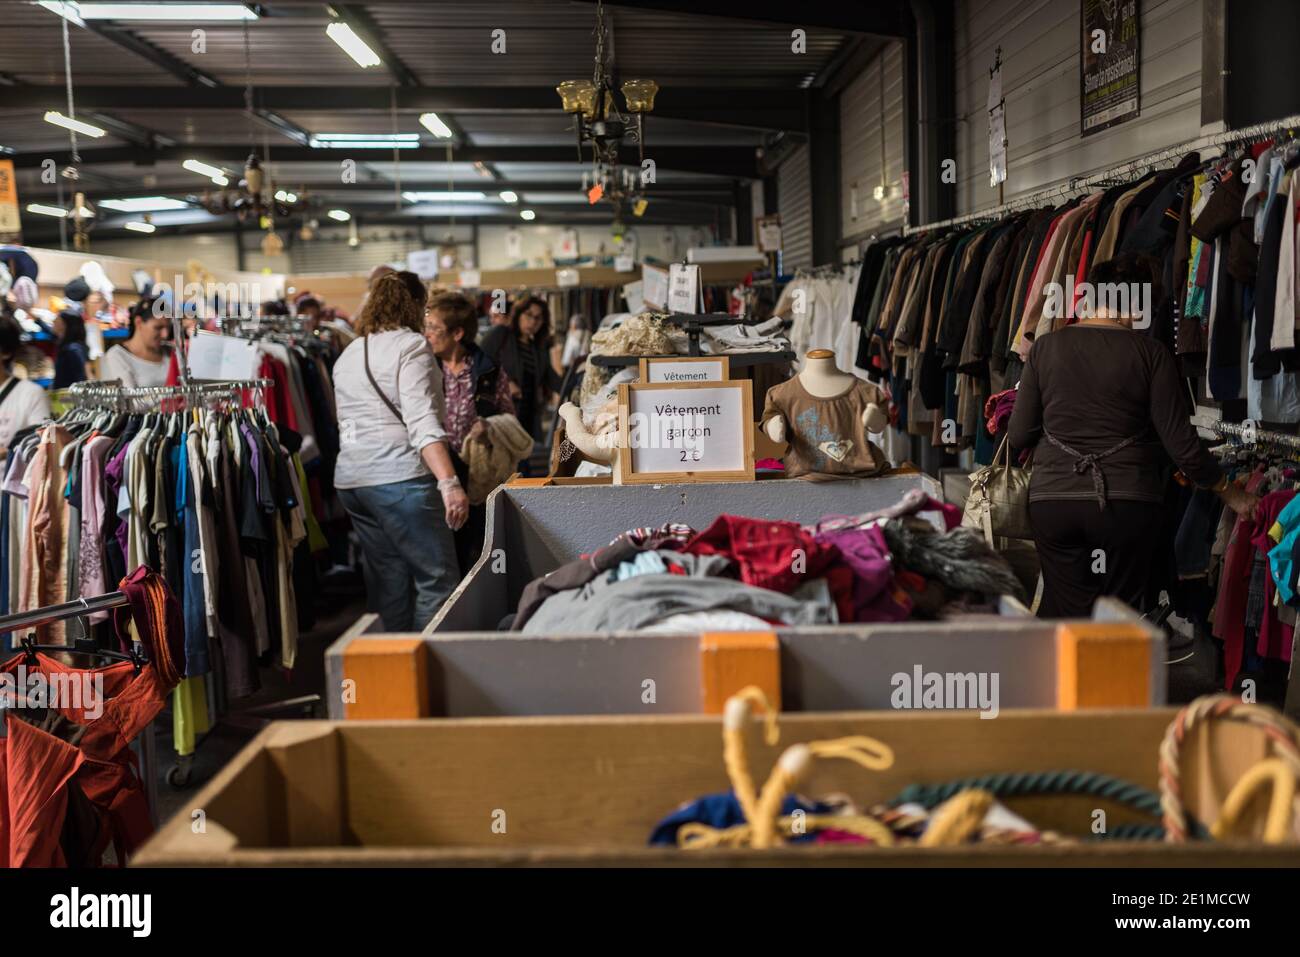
395,474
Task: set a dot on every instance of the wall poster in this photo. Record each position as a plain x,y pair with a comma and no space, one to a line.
1109,64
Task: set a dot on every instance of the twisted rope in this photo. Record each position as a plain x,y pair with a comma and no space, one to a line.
1018,784
1280,731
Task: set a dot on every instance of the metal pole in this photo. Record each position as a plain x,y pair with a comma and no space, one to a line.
68,609
1079,184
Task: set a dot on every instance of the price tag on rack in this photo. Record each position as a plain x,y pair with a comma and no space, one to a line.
684,288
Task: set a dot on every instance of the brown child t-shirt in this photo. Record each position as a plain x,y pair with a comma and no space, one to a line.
826,436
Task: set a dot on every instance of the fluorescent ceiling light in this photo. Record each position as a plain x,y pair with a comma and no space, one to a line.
46,210
364,141
165,11
284,197
453,196
352,45
66,10
144,204
386,137
434,125
527,214
141,227
203,169
58,119
340,215
509,196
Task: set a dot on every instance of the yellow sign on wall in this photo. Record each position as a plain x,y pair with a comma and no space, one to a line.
10,225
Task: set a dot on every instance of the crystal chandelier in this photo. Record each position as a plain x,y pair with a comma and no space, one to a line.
601,125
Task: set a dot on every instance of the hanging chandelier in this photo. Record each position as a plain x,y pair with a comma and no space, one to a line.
255,196
601,126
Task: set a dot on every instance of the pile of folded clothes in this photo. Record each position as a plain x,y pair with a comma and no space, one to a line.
751,574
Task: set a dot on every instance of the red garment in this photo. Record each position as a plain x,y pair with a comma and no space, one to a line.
278,404
770,554
1274,639
1230,608
38,770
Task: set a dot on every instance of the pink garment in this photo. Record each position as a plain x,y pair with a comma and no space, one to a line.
90,560
998,409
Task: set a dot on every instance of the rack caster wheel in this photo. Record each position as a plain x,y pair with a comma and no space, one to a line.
179,774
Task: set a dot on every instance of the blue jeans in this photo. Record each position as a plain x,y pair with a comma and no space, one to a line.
410,554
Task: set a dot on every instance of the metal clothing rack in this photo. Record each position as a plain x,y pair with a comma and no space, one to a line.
125,398
1248,434
1120,171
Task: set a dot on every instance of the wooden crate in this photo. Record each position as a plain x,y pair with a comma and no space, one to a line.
583,790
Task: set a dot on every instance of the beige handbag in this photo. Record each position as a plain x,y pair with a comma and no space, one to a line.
998,501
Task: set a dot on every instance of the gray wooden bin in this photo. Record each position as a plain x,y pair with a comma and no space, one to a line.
476,670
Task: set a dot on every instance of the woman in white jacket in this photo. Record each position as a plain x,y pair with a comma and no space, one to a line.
394,474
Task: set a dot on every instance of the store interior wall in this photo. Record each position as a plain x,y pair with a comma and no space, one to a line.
329,251
794,203
1040,82
872,149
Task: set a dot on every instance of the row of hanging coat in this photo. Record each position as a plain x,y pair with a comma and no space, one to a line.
185,480
948,316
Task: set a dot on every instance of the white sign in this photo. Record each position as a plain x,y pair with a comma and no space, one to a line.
471,278
213,356
423,262
683,288
565,278
997,125
654,286
686,428
769,234
635,299
566,245
514,244
624,264
685,370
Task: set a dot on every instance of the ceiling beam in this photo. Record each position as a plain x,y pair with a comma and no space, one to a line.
881,17
159,57
736,161
722,190
763,109
364,26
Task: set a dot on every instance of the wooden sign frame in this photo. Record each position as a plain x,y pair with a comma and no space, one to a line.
625,471
645,364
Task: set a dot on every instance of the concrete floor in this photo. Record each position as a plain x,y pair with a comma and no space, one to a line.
225,740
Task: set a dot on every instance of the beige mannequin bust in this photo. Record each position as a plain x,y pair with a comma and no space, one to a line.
824,380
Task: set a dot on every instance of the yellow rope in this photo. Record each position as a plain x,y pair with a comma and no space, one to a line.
1277,828
735,756
868,752
957,819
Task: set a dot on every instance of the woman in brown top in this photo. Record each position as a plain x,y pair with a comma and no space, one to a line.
1105,412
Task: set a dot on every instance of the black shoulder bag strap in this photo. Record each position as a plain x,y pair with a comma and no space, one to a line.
365,350
9,387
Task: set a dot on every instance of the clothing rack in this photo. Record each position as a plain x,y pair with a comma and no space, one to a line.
1248,434
68,609
121,398
1118,172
